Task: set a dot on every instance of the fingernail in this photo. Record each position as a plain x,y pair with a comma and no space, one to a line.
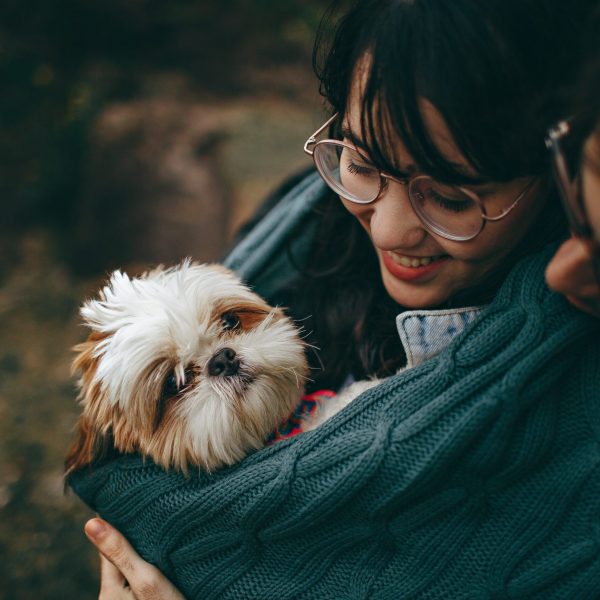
95,528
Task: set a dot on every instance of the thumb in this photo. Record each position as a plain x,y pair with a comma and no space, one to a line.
146,582
114,547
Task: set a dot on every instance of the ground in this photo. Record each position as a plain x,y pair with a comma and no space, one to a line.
43,548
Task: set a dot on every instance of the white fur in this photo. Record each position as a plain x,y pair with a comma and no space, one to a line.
170,317
339,401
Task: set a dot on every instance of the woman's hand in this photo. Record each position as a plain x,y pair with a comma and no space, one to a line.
571,273
124,575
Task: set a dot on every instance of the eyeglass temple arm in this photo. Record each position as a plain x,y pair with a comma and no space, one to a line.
313,138
556,133
553,139
578,222
506,211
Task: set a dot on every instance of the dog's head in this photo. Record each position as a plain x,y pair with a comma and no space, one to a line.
184,365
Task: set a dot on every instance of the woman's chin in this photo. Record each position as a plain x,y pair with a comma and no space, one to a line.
418,294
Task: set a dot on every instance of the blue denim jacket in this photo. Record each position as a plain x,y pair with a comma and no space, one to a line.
425,333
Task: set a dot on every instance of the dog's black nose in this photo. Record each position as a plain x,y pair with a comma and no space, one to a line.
224,363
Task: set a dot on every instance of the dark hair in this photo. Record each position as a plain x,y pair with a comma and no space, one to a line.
496,70
587,88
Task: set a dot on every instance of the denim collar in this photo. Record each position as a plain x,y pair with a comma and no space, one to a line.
425,333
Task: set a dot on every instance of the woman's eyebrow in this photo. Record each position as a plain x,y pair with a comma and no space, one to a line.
462,170
347,133
470,179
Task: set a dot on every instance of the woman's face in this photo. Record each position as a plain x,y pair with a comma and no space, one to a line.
590,175
443,267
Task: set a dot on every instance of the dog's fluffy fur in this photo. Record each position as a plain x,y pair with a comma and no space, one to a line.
186,366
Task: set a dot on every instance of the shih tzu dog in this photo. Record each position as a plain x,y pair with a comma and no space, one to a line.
186,366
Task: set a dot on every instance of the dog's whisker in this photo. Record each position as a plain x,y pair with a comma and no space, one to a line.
163,373
308,344
302,319
294,372
268,320
315,352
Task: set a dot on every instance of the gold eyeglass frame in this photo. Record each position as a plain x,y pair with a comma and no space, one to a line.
384,177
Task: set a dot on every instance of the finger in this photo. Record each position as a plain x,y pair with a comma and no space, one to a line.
571,270
115,548
145,581
590,306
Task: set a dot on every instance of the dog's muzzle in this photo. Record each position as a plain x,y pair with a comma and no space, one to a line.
224,363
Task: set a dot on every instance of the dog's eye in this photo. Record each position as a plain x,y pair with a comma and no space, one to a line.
170,387
230,321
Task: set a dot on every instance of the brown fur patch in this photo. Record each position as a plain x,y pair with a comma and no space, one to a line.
250,313
150,425
152,421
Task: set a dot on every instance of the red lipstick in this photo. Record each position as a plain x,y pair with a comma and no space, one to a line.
410,273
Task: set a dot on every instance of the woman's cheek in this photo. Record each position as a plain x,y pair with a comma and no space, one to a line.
591,197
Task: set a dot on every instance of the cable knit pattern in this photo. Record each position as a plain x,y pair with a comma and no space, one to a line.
472,476
475,475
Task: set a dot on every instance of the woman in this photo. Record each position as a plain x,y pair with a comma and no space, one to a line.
575,270
471,474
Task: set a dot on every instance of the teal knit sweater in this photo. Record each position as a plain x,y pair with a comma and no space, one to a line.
474,475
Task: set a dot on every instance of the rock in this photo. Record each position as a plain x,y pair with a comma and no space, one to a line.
154,189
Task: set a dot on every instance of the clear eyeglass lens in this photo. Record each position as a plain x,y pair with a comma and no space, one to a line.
445,207
347,172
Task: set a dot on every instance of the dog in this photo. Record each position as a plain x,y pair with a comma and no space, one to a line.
186,366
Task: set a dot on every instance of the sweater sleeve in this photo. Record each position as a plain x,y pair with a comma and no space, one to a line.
263,257
474,475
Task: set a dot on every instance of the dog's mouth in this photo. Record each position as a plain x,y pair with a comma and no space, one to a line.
245,378
233,387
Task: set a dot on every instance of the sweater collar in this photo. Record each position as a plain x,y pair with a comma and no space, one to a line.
425,333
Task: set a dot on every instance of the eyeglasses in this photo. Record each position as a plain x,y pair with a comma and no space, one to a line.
568,185
569,188
452,212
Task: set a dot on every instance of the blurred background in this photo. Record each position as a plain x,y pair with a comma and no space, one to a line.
132,132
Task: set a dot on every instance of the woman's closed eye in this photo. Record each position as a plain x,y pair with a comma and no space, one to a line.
456,205
362,169
356,164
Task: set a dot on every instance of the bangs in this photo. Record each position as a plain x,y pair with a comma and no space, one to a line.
459,58
399,77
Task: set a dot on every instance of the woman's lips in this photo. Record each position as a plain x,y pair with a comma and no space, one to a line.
401,266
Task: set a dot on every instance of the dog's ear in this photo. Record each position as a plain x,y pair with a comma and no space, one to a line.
92,444
86,360
90,447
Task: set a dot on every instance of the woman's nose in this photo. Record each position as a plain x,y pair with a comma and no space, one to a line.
393,222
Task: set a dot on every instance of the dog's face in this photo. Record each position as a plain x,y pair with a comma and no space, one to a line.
186,366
